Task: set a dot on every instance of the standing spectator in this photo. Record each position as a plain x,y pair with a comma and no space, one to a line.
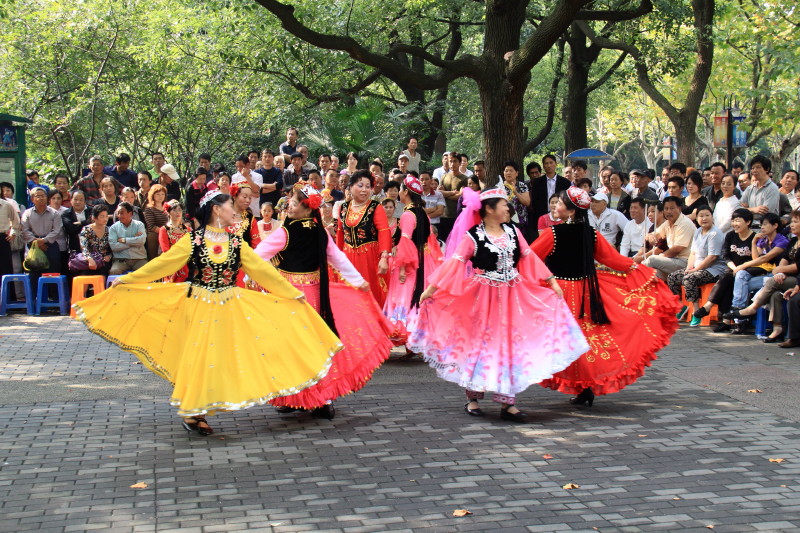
376,168
121,171
324,163
158,161
579,170
414,159
42,224
252,159
450,187
295,172
675,187
518,196
90,185
352,165
609,222
402,163
224,183
308,166
17,244
271,179
170,234
641,187
789,184
737,169
737,249
726,205
377,190
479,169
635,230
74,220
439,173
533,170
568,174
544,187
61,182
678,232
268,224
616,194
154,218
463,167
762,196
217,169
54,201
169,179
434,201
145,181
551,218
391,191
253,180
94,247
706,177
695,199
204,160
315,180
704,265
33,181
743,181
335,162
127,239
713,192
108,197
199,186
9,228
332,183
605,174
289,146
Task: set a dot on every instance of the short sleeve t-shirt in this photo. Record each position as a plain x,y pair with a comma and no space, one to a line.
679,234
709,243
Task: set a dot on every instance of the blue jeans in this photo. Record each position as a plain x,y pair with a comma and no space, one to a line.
743,284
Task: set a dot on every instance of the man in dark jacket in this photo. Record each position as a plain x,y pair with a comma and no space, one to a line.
543,187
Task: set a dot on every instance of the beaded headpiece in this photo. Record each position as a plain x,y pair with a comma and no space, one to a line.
497,192
313,197
236,187
413,184
209,196
579,197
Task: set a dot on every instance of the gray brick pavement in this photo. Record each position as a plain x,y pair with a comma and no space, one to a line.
677,451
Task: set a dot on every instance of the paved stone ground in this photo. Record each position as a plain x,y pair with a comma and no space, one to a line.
685,448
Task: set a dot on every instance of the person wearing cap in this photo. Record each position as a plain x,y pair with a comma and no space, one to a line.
640,180
168,178
609,222
414,159
439,173
90,185
402,164
678,230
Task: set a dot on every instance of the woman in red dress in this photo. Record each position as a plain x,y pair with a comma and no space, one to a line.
626,313
170,234
363,234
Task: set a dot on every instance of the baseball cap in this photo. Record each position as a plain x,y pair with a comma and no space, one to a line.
600,196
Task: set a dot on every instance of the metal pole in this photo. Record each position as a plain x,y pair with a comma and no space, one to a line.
730,139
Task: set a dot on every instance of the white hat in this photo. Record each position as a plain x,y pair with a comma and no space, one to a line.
600,196
403,156
170,171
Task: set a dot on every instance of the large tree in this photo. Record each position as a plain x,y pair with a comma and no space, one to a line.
515,37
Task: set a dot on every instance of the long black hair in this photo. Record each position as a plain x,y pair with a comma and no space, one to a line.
325,310
596,309
420,236
205,211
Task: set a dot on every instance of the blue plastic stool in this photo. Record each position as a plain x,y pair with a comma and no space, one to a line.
5,305
63,294
762,321
111,279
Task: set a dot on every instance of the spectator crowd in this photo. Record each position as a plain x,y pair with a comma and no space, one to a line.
735,230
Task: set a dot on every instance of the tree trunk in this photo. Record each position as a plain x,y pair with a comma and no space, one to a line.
685,134
581,59
502,106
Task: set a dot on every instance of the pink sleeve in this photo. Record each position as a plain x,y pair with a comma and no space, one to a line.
407,255
530,266
339,261
451,275
274,243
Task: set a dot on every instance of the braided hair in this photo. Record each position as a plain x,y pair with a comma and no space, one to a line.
420,236
597,311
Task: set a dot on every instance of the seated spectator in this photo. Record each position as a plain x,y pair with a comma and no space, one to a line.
678,232
154,218
635,230
792,296
169,179
129,195
704,264
94,255
549,219
9,228
762,196
695,199
42,224
726,205
54,201
315,180
616,194
609,222
783,277
74,220
196,190
737,249
332,183
127,239
170,234
377,189
750,276
108,197
91,184
585,184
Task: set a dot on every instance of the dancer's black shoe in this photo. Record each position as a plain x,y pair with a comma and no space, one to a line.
472,412
585,397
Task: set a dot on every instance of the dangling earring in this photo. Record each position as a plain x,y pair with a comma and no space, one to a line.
569,220
219,224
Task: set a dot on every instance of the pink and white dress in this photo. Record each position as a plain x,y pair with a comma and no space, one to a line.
500,328
398,306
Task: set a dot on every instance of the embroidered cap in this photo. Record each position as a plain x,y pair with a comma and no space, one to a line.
497,192
413,184
579,197
313,197
208,196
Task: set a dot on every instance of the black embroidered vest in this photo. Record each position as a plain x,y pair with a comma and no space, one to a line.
301,251
208,274
364,232
565,261
497,263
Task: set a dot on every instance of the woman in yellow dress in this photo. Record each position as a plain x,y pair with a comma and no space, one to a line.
223,348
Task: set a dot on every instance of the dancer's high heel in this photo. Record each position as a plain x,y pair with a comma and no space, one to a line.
194,426
326,411
472,412
585,397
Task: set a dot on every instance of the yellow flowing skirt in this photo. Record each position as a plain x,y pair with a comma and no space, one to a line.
222,351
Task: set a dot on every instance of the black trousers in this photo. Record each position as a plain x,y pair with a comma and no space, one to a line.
722,292
445,227
793,306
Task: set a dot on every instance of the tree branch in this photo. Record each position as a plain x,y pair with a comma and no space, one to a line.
645,7
535,141
604,78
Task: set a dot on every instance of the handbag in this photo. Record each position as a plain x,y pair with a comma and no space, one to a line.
36,260
78,261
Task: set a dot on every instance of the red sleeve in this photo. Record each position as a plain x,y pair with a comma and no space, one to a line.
339,233
163,240
607,255
382,225
543,246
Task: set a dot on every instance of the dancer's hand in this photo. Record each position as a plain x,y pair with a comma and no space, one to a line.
557,289
116,282
403,277
383,266
364,287
427,293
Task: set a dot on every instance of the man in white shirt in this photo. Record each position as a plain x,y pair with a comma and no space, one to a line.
434,200
609,222
414,159
444,169
635,230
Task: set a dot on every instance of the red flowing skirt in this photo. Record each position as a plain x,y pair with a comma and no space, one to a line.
364,332
641,310
366,258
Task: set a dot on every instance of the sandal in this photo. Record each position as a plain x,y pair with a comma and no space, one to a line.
194,425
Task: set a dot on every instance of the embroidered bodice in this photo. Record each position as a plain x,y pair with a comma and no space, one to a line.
495,258
242,229
565,261
215,258
301,253
358,225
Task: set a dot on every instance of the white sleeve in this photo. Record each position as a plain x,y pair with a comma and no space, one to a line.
342,264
